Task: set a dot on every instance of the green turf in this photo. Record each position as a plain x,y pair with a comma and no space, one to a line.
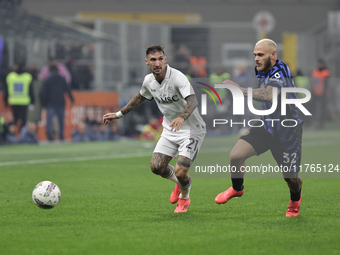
111,203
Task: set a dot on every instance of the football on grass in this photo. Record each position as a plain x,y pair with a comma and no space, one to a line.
46,195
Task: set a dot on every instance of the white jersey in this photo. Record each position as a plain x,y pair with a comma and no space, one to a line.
170,97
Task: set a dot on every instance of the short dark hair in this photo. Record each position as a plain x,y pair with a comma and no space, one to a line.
154,48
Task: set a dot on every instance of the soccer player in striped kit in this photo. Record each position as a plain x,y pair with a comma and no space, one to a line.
283,142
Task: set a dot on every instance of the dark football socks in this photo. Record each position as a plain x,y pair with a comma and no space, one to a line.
237,183
295,196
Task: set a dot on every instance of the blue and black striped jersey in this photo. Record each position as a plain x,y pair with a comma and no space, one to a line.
279,76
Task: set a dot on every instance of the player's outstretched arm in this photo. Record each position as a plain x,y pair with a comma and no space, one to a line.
261,94
192,103
136,101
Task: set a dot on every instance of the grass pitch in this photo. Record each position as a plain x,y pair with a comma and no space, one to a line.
111,203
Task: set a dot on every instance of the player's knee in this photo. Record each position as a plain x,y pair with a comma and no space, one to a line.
156,168
236,158
182,174
294,181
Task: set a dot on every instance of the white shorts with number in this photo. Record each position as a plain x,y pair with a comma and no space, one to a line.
187,146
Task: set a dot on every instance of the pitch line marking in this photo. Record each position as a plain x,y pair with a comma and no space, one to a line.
131,155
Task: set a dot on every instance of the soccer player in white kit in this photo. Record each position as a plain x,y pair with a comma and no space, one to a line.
183,127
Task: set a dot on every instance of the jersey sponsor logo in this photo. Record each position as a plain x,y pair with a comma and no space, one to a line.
275,79
167,100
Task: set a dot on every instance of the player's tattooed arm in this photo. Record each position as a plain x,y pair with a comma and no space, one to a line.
136,101
177,123
262,94
190,106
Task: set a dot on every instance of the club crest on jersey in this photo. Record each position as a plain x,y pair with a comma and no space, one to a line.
167,100
170,89
277,78
277,75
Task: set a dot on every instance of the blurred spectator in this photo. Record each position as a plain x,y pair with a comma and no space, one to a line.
90,115
34,114
63,72
18,92
102,133
72,70
10,133
113,131
191,73
2,130
85,74
28,133
99,115
218,76
320,91
91,130
244,79
199,64
302,81
52,98
153,130
91,122
182,58
79,134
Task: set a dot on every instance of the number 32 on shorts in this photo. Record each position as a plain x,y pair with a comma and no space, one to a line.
289,158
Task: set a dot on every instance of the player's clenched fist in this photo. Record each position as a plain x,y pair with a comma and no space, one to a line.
107,118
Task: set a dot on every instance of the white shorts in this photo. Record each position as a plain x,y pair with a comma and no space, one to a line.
187,146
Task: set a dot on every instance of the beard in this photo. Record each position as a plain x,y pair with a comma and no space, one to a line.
267,65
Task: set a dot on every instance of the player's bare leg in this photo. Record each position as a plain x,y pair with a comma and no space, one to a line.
295,184
237,157
181,170
160,166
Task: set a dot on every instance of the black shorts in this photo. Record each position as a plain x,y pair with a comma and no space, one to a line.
286,154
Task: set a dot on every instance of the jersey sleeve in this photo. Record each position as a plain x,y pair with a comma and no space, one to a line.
145,92
184,86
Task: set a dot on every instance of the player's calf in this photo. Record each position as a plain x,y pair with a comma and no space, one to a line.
294,184
184,180
182,169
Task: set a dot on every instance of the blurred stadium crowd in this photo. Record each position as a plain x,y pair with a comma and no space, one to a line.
71,67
